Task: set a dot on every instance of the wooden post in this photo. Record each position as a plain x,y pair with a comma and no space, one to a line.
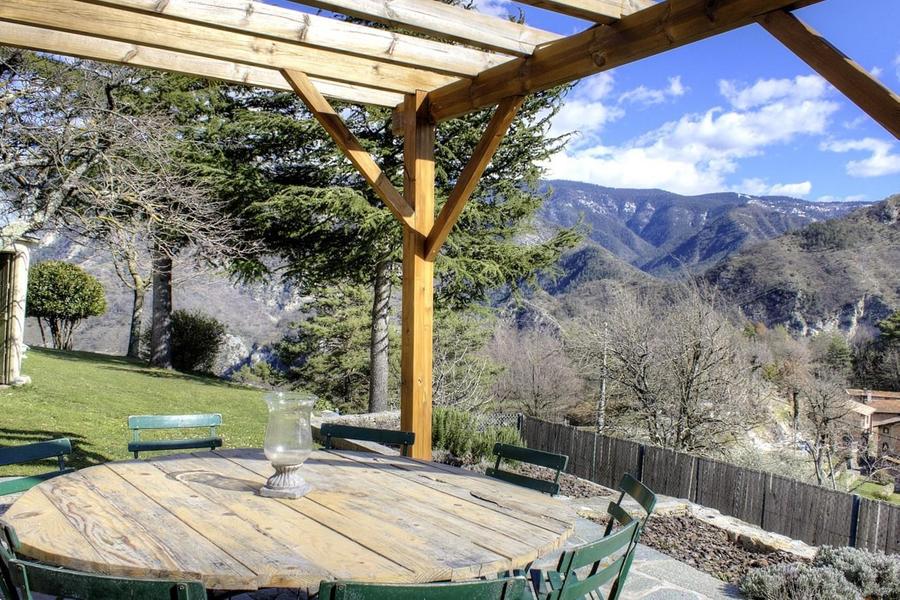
418,275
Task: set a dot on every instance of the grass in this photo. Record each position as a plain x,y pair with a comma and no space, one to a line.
87,398
868,489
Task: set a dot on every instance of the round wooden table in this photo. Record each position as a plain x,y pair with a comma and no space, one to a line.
369,517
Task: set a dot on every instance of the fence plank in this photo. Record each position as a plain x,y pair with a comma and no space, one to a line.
670,473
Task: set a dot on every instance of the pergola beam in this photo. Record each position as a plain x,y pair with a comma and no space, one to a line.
81,46
444,21
332,123
417,312
598,11
108,23
856,83
642,34
286,25
471,174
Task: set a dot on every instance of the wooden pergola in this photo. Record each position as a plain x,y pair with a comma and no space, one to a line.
449,61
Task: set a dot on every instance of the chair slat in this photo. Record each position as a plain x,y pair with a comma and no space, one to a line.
540,485
640,492
36,451
534,457
174,421
512,588
596,551
405,439
22,484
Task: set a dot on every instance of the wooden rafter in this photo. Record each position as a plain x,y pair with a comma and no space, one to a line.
293,26
639,35
856,83
445,21
105,22
471,174
59,42
350,146
598,11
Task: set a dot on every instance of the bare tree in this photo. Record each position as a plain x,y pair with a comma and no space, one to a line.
73,156
538,377
825,419
681,369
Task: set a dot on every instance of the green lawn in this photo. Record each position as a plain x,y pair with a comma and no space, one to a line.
868,489
87,397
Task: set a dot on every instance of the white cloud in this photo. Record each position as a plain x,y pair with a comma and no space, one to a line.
759,187
765,91
876,71
587,109
881,160
697,153
647,96
851,198
897,65
498,8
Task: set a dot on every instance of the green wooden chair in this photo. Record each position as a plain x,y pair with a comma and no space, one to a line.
600,568
511,588
644,496
534,457
392,437
57,449
142,422
22,578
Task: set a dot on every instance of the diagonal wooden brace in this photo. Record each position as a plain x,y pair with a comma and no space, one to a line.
350,146
852,80
471,174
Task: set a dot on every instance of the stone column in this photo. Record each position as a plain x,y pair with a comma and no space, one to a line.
14,262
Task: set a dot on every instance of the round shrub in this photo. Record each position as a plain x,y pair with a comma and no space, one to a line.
797,582
457,432
875,574
196,340
60,296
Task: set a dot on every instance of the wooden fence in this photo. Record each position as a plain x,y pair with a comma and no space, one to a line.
793,508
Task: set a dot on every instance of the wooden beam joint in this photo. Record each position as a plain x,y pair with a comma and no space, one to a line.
350,146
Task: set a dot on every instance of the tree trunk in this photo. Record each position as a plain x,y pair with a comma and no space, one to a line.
378,345
161,330
137,317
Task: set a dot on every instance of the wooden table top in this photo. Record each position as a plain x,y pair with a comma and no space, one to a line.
369,517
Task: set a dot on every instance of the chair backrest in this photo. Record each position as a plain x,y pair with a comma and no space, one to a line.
138,423
404,439
512,588
565,584
57,449
31,577
8,543
637,491
534,457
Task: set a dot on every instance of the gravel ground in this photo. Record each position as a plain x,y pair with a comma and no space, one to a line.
707,547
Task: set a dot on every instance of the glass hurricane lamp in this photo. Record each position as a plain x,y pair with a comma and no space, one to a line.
288,443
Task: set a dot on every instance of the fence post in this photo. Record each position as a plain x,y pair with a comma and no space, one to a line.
640,465
520,422
594,460
854,520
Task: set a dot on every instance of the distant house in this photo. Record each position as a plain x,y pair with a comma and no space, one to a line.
879,413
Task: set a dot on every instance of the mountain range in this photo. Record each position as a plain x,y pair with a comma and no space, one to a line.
807,265
663,233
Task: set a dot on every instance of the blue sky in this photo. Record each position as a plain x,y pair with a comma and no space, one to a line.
736,112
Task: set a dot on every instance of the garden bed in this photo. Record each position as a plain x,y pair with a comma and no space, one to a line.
708,548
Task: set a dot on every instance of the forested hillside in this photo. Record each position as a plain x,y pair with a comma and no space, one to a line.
842,274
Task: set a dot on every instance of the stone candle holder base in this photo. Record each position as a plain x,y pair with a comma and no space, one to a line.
285,483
